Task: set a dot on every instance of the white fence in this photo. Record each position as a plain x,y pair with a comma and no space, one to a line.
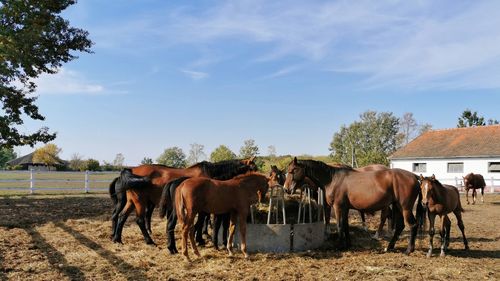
34,180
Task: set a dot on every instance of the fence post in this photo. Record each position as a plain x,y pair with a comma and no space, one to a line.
492,188
456,182
86,181
32,181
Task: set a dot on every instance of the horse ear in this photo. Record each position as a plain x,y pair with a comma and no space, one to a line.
421,177
433,177
294,160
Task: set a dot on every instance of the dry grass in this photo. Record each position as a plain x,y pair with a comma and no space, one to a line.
67,238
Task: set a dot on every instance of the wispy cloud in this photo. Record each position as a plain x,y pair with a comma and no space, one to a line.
283,71
422,44
67,82
195,75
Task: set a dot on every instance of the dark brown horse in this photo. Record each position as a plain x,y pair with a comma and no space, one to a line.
148,195
234,196
346,188
474,181
441,199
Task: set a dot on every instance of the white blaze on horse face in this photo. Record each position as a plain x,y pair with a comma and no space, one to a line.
425,191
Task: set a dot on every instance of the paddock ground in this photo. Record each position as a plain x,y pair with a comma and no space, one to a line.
58,237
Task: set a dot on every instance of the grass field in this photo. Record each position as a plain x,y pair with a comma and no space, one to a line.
67,238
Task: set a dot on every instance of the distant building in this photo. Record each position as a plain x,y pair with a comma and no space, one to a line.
26,162
452,153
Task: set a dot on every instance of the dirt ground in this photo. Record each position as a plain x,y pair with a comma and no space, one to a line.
67,238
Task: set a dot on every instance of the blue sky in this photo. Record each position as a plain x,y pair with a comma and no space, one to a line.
284,73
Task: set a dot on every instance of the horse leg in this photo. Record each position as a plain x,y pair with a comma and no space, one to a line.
141,221
412,223
445,234
185,234
206,224
172,221
345,225
380,229
243,233
120,204
399,226
215,232
199,228
432,218
232,226
191,237
474,195
149,213
336,209
122,218
225,227
467,195
460,222
482,195
363,220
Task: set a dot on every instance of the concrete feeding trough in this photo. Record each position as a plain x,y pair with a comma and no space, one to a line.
285,237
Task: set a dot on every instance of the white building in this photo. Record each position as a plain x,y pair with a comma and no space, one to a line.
452,153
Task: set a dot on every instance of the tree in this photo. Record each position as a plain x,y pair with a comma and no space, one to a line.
493,122
470,119
372,139
222,153
77,163
147,161
49,155
6,154
92,165
173,157
271,151
34,39
424,128
407,127
118,162
249,149
196,153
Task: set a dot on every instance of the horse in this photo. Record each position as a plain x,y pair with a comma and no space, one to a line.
148,195
234,196
385,213
346,188
441,199
474,181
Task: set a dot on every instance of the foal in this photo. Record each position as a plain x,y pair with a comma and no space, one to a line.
232,196
441,199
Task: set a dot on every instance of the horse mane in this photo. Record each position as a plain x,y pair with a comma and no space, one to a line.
222,170
312,166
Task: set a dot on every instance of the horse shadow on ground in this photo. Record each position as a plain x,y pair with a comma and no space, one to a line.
26,211
474,254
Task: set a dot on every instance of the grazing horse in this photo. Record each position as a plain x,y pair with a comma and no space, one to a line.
142,197
474,181
441,199
234,196
346,188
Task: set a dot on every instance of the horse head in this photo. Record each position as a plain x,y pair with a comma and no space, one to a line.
295,175
427,187
277,176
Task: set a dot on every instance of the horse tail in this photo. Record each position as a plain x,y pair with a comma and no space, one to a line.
132,181
112,190
166,201
420,214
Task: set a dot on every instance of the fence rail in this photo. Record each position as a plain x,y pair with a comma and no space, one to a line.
33,180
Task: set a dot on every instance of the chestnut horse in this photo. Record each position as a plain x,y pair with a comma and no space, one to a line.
346,188
148,195
474,181
441,199
234,196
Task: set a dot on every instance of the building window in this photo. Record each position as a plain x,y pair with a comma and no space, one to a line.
456,167
420,167
494,167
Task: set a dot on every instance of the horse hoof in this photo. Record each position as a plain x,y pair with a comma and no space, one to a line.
468,203
429,255
442,254
467,247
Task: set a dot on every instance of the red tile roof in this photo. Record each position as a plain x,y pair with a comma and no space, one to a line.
479,141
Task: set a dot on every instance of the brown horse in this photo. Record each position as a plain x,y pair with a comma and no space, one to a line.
441,199
346,188
474,181
234,196
148,195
